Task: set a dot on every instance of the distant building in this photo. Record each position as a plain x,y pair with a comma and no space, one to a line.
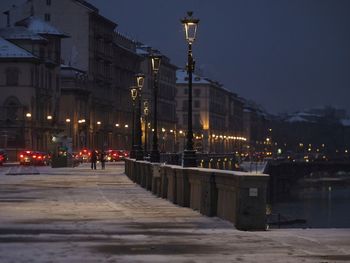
257,129
30,67
319,131
217,114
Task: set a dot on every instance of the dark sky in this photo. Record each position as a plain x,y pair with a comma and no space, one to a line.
284,54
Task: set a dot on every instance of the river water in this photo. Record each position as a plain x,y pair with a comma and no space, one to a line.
322,206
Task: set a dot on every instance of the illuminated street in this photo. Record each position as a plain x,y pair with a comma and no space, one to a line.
79,215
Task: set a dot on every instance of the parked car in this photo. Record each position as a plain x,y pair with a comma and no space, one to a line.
3,156
84,154
40,158
123,154
113,156
29,157
25,157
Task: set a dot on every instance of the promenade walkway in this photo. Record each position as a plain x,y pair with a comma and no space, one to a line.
80,215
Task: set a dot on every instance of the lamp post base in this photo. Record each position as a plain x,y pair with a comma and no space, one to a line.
139,154
132,154
189,158
155,156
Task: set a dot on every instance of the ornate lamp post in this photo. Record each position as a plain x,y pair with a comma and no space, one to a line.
133,91
140,78
155,156
145,113
190,25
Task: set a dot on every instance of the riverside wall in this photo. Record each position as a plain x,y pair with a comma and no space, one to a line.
238,197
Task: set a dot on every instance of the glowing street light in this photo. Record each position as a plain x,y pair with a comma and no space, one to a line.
190,25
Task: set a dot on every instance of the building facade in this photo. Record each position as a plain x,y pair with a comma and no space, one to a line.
108,62
30,85
217,115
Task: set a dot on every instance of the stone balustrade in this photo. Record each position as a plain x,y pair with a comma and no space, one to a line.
238,197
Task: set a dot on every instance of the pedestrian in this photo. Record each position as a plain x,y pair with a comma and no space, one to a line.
93,159
102,159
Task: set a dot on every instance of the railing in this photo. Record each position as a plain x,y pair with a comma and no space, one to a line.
234,196
222,161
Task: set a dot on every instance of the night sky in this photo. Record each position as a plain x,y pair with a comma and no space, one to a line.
286,55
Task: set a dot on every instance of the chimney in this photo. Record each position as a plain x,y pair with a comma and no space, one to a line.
7,13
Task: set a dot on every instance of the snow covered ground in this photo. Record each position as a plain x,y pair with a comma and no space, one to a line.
80,215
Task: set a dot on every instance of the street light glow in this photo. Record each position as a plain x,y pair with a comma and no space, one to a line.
49,117
28,115
68,120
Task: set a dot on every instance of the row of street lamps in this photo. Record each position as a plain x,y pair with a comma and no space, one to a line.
189,156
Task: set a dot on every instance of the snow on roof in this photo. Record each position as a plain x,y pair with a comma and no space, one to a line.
182,78
9,50
296,119
39,26
19,32
345,122
141,51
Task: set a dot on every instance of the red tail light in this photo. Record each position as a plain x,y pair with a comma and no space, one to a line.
34,156
21,156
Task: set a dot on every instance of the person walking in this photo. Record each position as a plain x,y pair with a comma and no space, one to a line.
93,160
103,159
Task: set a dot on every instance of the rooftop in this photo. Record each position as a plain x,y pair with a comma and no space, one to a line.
20,32
9,50
39,26
182,78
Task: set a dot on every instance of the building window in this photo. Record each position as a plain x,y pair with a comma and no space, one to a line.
12,75
197,123
197,92
184,120
12,106
48,2
185,91
184,105
197,104
47,17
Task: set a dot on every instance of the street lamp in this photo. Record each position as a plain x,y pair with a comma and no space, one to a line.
133,91
190,25
140,78
155,156
145,113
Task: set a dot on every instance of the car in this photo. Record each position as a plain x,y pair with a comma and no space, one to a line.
29,157
123,154
3,157
84,154
113,155
25,157
40,158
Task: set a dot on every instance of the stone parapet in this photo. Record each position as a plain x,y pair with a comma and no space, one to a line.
238,197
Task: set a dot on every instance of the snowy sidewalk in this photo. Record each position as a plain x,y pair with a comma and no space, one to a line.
80,215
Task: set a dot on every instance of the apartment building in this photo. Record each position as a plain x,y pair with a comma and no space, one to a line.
217,114
108,62
30,85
